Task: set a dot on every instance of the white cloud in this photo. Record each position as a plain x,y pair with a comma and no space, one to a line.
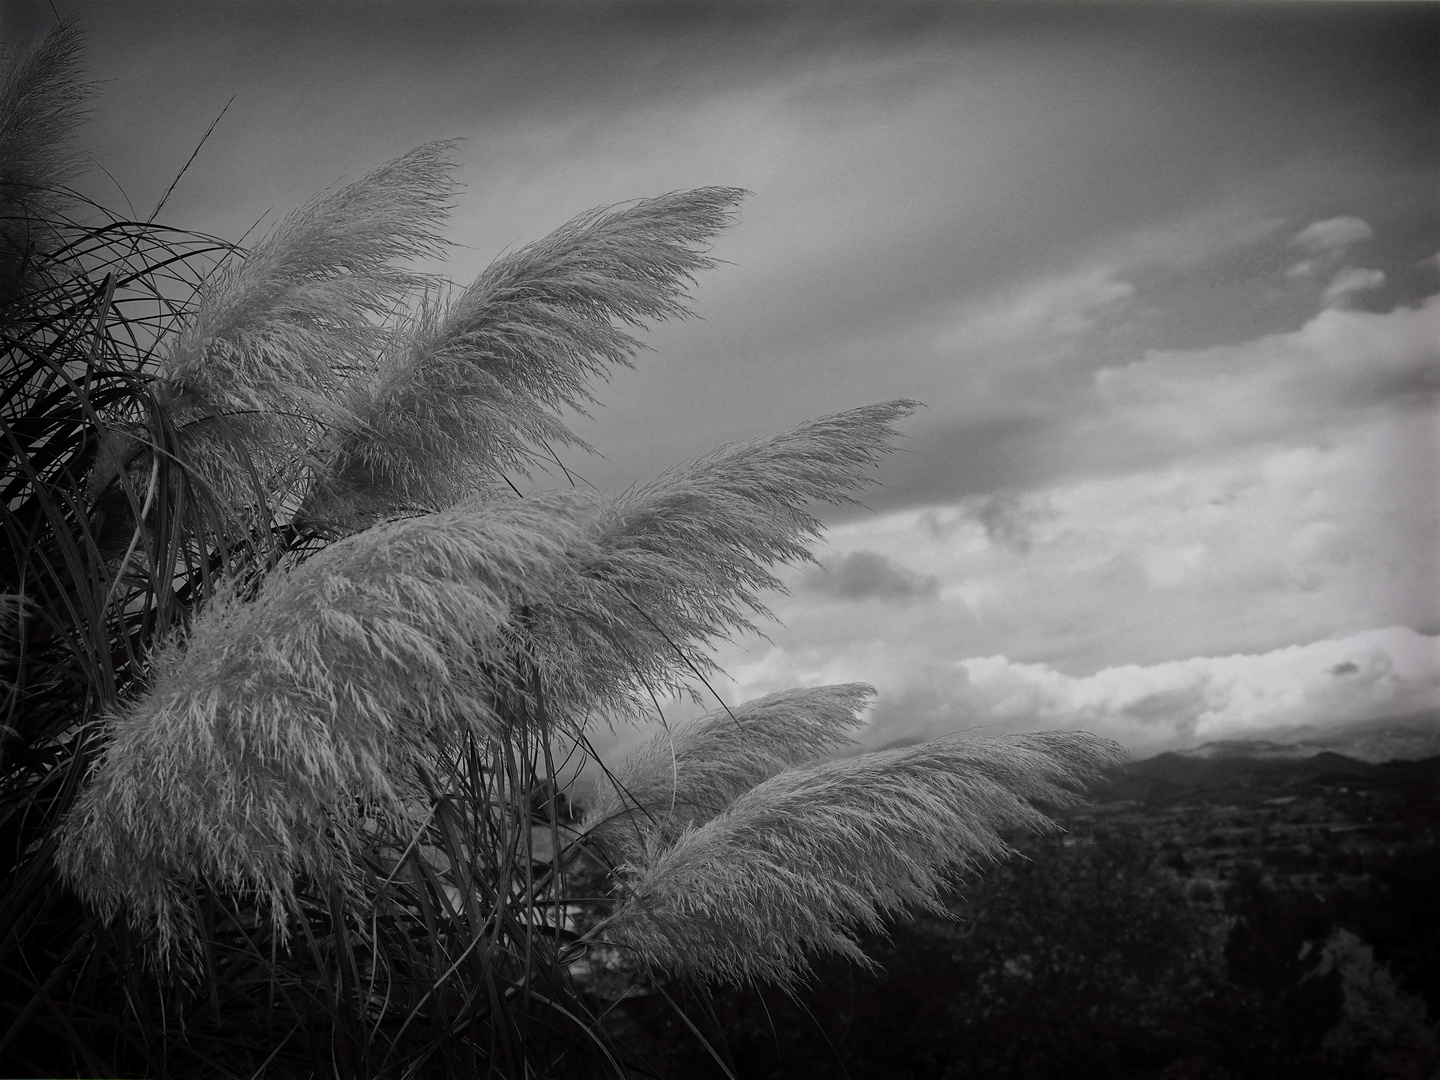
1328,243
1293,693
1333,236
1245,551
1278,385
1352,280
1292,495
1373,675
1063,306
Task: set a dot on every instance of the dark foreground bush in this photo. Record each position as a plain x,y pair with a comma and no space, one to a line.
1086,961
294,678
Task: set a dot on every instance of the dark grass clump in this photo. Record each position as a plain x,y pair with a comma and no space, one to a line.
295,684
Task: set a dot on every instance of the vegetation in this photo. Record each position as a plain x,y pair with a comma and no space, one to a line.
296,682
1223,919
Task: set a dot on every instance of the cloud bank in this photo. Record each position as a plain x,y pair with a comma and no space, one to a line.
1178,704
1257,494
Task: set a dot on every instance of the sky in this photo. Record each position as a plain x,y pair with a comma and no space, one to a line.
1165,276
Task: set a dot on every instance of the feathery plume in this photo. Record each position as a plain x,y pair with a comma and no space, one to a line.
686,776
274,334
41,104
244,762
679,562
800,861
285,717
478,383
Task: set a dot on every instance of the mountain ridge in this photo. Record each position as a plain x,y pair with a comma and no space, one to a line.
1176,777
1404,738
1401,738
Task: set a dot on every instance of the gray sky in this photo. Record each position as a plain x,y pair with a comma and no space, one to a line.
1165,276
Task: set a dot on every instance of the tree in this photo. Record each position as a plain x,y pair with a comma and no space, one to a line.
295,673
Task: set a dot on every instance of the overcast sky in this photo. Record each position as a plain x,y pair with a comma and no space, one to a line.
1166,277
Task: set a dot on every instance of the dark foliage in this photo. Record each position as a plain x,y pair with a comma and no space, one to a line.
1102,956
1068,963
1399,914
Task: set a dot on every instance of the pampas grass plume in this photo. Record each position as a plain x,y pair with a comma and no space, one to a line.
283,718
680,561
793,866
41,105
276,334
686,776
476,386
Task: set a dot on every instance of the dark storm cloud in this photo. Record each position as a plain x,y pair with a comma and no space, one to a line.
868,575
1008,519
908,161
1175,100
950,462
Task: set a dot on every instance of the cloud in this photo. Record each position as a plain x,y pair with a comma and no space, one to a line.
1009,518
1241,551
1339,362
868,575
1353,280
1333,236
1335,371
1374,675
1063,306
1328,243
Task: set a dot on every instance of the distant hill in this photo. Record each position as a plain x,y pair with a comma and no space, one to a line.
1403,738
1239,773
1396,739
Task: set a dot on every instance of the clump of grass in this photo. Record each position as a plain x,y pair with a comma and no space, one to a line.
293,680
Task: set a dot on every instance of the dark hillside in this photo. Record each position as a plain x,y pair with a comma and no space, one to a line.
1168,777
1237,914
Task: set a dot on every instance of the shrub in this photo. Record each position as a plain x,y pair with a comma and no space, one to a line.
294,674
